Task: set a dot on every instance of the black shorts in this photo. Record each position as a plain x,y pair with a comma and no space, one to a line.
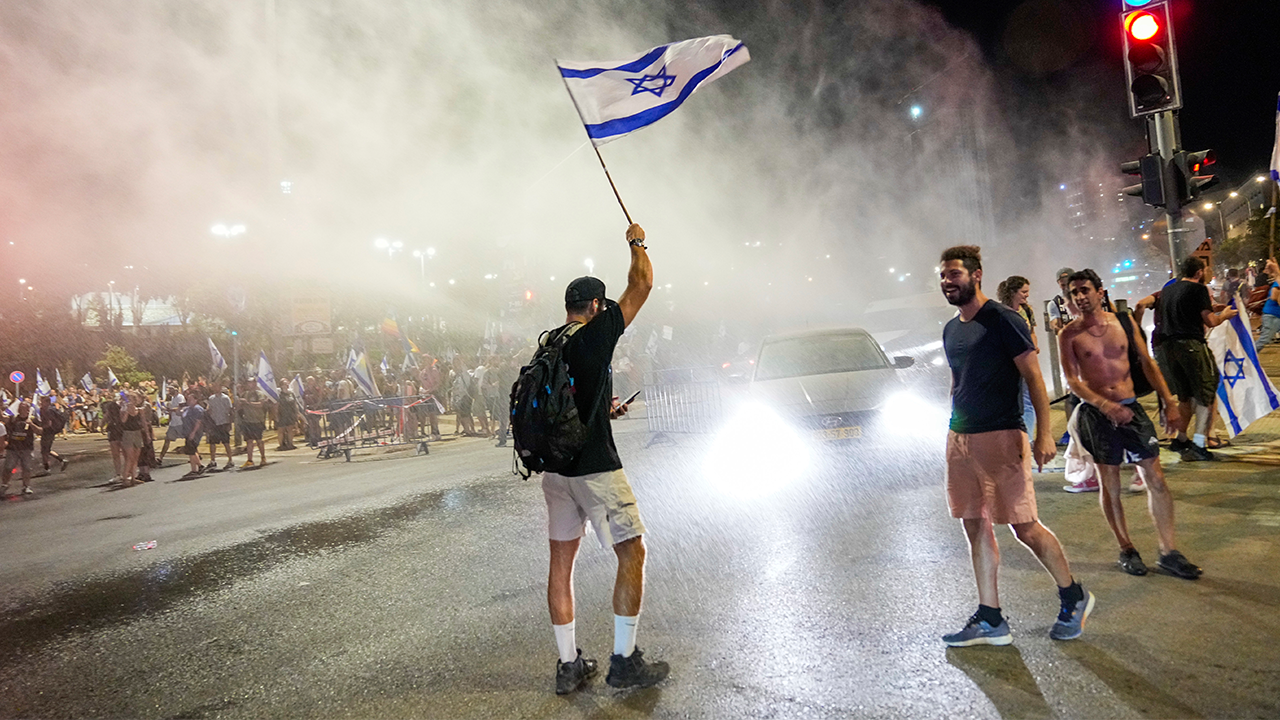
1189,370
1108,443
219,434
46,442
191,448
252,431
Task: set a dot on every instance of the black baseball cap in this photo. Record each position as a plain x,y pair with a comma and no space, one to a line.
584,289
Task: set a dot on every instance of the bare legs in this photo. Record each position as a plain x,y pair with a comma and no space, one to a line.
628,589
1159,504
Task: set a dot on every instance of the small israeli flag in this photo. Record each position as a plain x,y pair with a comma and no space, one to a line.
295,385
111,378
266,377
87,382
364,376
385,365
618,97
58,375
42,385
1245,393
219,365
12,410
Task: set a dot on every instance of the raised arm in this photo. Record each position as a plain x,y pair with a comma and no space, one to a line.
639,277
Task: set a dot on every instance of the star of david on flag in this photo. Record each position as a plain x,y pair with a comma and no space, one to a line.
1245,393
618,97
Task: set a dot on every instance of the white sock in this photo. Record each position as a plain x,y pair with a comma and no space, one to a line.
1198,439
624,634
566,641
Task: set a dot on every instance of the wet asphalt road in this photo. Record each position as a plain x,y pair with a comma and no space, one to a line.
415,587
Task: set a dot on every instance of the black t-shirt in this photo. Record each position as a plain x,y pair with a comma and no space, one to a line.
985,390
588,354
19,435
1181,306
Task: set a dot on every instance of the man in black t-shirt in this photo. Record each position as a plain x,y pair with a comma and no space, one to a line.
21,431
594,487
1184,359
989,458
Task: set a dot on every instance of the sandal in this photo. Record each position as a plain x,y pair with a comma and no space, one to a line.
1217,443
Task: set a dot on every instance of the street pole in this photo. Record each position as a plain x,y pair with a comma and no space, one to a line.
1166,145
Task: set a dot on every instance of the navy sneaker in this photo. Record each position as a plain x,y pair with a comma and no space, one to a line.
1175,563
633,671
980,632
1070,624
571,675
1131,562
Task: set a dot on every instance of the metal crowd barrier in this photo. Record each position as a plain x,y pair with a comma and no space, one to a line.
340,427
684,400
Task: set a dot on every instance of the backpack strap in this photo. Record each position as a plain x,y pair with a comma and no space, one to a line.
564,332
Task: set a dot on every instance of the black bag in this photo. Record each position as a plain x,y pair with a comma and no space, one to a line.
545,427
1141,385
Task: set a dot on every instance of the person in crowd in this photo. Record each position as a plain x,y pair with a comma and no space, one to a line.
461,393
52,421
193,425
595,487
287,412
20,431
1271,308
988,456
1095,351
252,412
429,379
313,394
174,407
218,420
1014,293
147,455
111,419
502,376
131,436
1186,309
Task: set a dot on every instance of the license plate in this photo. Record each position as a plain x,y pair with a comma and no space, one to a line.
840,433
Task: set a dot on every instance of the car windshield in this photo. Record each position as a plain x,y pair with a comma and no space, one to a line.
819,355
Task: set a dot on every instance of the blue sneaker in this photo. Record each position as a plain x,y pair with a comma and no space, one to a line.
1070,623
980,632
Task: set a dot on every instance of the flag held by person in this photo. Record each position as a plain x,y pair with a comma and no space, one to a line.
58,376
42,385
266,377
1275,151
385,365
1245,393
111,378
363,375
295,386
219,365
618,97
87,382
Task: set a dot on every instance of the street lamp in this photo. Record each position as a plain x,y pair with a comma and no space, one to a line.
391,246
423,256
591,265
226,232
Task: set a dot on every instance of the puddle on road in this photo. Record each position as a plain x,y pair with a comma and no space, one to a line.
100,602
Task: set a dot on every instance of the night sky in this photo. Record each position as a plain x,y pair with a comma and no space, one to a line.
1226,54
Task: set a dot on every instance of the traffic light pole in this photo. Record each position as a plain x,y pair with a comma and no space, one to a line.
1166,132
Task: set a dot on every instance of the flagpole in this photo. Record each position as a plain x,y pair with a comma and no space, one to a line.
593,147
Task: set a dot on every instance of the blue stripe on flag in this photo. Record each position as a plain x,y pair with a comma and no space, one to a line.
633,66
631,123
1231,412
1238,326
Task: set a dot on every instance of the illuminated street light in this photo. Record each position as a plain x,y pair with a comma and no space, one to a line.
591,265
916,112
22,281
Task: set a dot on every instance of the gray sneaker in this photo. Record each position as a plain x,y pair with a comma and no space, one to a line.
980,632
1071,619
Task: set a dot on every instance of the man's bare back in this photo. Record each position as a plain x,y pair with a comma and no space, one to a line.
1101,348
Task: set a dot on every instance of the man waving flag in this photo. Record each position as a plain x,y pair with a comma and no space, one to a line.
218,364
618,97
1245,393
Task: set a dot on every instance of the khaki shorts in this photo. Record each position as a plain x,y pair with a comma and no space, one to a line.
131,439
603,498
989,476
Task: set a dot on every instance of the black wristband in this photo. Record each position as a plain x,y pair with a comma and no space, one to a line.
638,243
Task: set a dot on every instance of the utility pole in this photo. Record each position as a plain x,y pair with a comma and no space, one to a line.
235,388
1165,127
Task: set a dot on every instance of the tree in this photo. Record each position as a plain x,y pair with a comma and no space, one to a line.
123,365
1250,245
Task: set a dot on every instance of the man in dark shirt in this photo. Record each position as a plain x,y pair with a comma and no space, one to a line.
52,421
21,430
1185,311
989,458
594,487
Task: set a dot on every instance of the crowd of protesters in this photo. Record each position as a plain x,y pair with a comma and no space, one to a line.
188,414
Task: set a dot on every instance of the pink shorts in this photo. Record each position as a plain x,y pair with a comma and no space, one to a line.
989,476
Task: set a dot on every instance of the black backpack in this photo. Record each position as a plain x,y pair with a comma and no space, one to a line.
545,426
1141,385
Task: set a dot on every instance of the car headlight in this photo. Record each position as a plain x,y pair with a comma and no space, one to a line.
756,453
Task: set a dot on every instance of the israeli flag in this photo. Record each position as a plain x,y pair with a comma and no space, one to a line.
364,376
42,385
111,378
87,382
295,385
618,97
1275,152
57,374
266,377
1245,393
385,365
219,365
12,410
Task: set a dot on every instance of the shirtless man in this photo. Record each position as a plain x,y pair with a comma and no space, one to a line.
1110,422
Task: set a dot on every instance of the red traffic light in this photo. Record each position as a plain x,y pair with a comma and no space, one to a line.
1142,26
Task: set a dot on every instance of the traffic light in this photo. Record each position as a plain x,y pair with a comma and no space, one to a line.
1151,61
1190,173
1151,189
